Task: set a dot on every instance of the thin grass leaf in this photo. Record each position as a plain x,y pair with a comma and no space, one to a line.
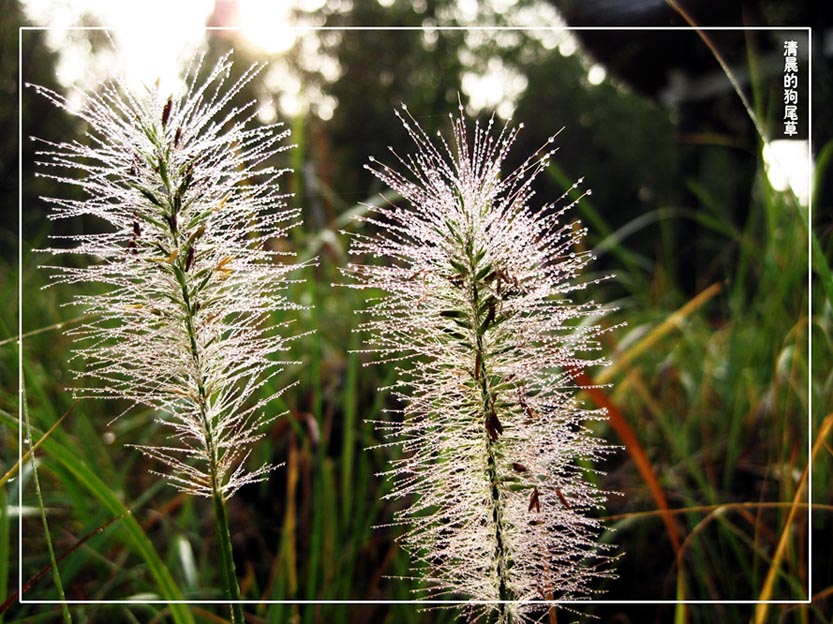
135,537
672,322
787,534
5,566
56,574
13,470
48,568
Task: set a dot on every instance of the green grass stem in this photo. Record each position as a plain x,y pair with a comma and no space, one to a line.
56,574
134,536
232,588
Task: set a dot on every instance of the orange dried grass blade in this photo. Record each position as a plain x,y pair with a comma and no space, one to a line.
207,616
672,322
617,420
762,608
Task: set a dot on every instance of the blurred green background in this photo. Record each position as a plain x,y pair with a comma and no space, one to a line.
710,389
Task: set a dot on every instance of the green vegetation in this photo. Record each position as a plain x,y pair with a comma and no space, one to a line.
725,357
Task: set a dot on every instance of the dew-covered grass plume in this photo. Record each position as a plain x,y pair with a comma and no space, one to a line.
472,288
187,189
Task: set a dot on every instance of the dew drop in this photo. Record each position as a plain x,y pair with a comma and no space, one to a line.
589,192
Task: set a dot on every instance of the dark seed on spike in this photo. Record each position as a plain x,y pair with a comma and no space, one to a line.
531,413
132,245
493,425
535,500
189,259
171,219
166,112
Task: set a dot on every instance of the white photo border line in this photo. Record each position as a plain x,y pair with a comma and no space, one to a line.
809,482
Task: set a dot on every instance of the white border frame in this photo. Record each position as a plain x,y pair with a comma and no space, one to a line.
809,484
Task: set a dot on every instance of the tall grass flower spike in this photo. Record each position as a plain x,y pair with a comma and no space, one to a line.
474,299
188,271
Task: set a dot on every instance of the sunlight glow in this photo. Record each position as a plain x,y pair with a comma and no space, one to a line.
175,30
152,41
788,167
265,24
596,74
497,87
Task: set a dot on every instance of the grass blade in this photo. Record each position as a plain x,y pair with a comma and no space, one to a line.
56,575
136,539
13,470
45,570
667,326
762,608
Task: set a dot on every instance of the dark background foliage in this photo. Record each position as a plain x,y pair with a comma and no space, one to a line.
716,388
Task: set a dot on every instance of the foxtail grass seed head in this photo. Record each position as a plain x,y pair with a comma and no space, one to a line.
475,290
186,278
